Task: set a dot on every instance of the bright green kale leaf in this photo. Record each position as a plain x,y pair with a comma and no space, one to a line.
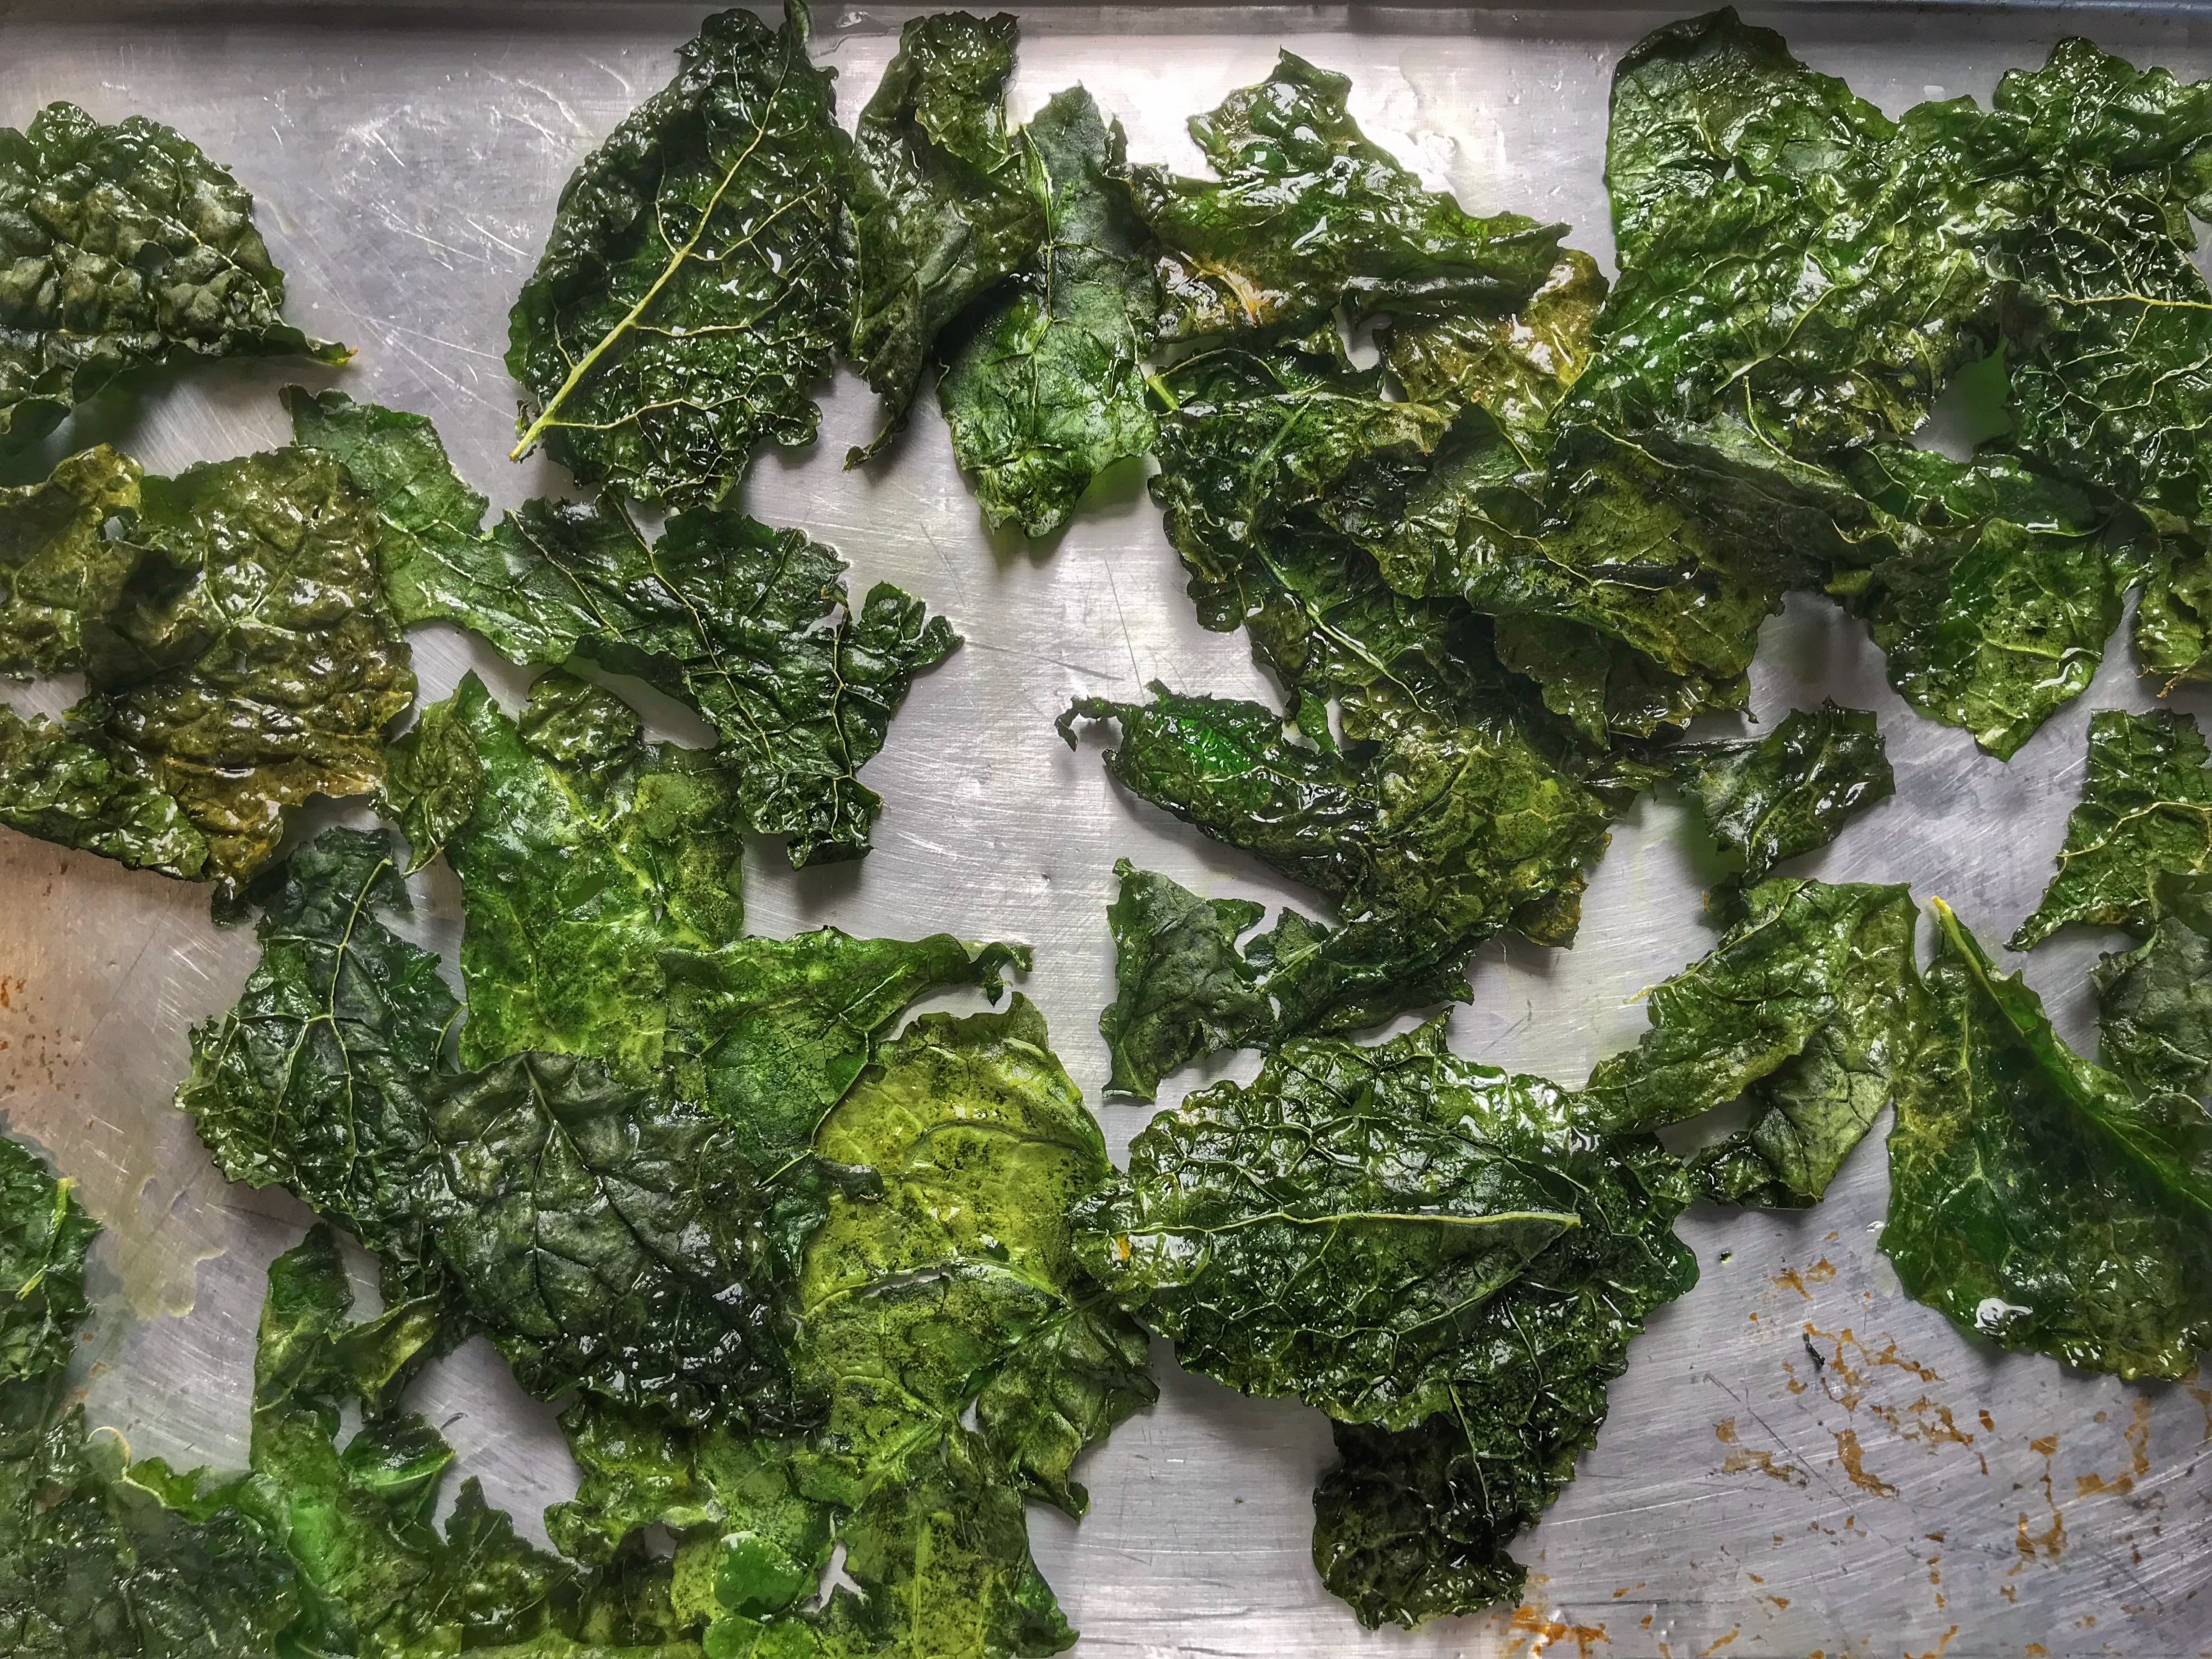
244,661
1183,990
770,1033
751,626
60,788
1444,830
2146,810
2154,1010
1791,791
1445,1255
1805,1010
942,201
125,249
963,1357
606,1236
693,286
1990,589
1518,365
2034,1198
1307,212
586,852
1049,390
60,570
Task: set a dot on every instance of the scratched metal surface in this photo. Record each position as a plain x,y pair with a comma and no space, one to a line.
1800,1459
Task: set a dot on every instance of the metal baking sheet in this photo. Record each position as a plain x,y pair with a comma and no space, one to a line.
1800,1459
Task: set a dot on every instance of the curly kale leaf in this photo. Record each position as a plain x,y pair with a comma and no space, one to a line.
606,1236
2154,1010
1435,833
432,777
1517,365
1805,1011
585,853
963,1357
943,199
1307,212
125,249
1789,792
2146,810
750,626
61,788
1425,1247
246,663
2034,1198
61,572
1990,589
2173,613
1182,988
694,284
1050,389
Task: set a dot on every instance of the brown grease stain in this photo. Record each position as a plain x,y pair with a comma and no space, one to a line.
1819,1273
1936,1652
1528,1622
1854,1378
2051,1541
1752,1457
1625,1589
1853,1456
2138,1436
1718,1645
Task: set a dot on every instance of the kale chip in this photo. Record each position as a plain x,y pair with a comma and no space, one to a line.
127,249
2146,811
316,1547
1789,792
1430,832
607,1236
1182,987
1307,213
586,853
961,1355
1447,1259
2155,1006
2034,1199
1806,1009
750,626
944,199
242,657
694,284
1048,391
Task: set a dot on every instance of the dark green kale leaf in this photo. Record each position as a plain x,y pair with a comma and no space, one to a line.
751,626
1990,589
1447,1259
60,570
1429,833
1805,1010
2034,1198
1184,989
62,789
432,777
2154,1010
2146,810
95,1558
1791,791
606,1236
963,1356
1049,390
44,1235
1307,212
943,200
1517,365
586,853
246,663
125,249
693,287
